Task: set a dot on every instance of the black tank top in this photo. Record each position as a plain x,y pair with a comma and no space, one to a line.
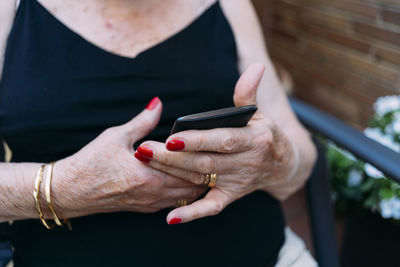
58,92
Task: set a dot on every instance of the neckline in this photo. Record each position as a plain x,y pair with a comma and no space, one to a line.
170,38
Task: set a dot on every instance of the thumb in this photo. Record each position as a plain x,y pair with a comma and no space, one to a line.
142,124
246,87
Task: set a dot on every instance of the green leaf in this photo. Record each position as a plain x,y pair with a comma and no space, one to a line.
385,193
367,186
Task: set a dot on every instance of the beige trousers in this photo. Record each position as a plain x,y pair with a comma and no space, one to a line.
294,252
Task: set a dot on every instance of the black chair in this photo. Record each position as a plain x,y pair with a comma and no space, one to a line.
318,193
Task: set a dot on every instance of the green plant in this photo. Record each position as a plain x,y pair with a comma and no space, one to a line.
355,183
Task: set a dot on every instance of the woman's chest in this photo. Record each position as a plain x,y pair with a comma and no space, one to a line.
58,116
126,28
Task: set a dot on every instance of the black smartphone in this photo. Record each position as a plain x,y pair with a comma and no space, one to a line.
219,118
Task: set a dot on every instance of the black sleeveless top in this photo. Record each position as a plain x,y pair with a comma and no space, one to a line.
59,91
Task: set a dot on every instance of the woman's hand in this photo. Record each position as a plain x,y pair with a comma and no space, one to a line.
256,157
104,176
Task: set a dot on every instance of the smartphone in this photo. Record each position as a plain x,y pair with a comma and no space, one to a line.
219,118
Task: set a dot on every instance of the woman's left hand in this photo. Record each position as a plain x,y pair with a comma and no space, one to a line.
256,157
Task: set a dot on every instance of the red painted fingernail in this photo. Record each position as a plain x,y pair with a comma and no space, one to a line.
175,145
175,221
145,151
141,158
153,103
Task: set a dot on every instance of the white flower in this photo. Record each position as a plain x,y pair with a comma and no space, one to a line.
386,209
394,127
384,139
396,208
390,208
373,172
396,123
355,177
389,129
387,104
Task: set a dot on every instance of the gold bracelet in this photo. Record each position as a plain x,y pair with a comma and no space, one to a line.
49,177
36,195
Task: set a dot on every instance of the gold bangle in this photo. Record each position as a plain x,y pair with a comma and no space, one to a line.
36,195
49,177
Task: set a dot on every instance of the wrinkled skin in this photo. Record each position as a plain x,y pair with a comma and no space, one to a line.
256,157
104,176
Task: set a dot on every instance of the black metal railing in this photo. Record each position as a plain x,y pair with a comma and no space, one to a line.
318,193
349,138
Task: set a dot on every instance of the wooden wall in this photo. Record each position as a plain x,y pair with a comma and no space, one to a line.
342,54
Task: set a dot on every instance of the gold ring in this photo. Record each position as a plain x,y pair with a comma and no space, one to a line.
210,179
207,179
182,202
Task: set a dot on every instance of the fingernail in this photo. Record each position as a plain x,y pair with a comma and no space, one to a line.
141,158
145,151
175,221
175,145
153,103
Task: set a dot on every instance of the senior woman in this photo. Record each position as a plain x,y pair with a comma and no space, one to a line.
75,80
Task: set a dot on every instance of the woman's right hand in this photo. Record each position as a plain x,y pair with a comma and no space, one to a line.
104,176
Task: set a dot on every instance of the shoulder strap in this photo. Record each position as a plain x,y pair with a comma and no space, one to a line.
8,9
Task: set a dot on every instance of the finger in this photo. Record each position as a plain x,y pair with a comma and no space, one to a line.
212,204
229,177
201,162
142,124
190,193
174,181
172,197
246,87
176,177
169,178
177,182
223,140
188,177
